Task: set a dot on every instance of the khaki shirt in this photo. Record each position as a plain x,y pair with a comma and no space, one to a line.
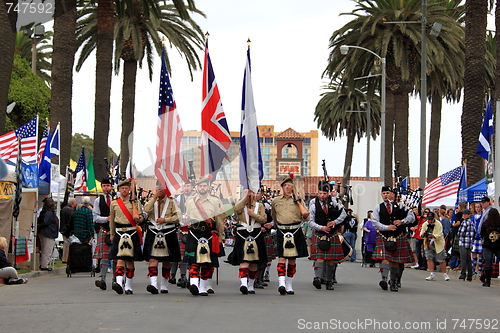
260,217
286,211
116,215
171,213
212,207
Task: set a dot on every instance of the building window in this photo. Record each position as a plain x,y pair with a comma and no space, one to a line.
236,140
184,140
269,141
306,142
193,140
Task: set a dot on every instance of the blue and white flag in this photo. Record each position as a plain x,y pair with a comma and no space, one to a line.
404,186
483,146
29,175
251,171
51,150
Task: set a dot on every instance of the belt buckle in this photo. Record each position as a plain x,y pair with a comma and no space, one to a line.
287,227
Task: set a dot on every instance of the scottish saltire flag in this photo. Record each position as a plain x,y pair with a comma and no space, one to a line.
170,169
443,186
483,146
81,173
28,133
43,142
215,136
404,186
51,150
251,171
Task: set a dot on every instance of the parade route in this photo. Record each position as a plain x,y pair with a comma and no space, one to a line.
56,303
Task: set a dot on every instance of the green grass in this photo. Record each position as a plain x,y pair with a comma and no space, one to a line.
57,264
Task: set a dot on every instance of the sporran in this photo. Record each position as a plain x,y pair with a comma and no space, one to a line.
289,248
160,248
125,246
251,250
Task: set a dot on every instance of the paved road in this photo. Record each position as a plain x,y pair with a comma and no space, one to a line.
55,303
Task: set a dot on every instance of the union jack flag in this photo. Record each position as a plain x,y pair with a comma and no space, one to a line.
169,167
215,136
45,135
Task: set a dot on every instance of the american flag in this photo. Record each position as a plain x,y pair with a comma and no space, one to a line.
28,134
169,167
443,186
45,135
215,136
81,173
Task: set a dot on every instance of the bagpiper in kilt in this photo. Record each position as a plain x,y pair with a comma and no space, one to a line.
161,244
187,191
392,247
101,219
249,249
325,219
288,219
206,233
126,237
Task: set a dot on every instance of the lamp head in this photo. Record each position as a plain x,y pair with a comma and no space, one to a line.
344,49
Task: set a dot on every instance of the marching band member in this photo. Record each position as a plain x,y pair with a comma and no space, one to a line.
126,237
288,218
206,232
325,219
249,248
161,242
392,246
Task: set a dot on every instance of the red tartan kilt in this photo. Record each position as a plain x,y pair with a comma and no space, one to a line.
335,251
271,252
401,255
102,249
182,246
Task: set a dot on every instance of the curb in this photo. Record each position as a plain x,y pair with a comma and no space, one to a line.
39,274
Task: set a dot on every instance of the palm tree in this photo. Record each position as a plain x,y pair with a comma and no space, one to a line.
136,34
24,47
474,85
63,58
374,28
8,19
334,118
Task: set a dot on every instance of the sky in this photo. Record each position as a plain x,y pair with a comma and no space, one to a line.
289,52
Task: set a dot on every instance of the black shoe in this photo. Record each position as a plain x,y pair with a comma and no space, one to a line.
210,291
17,281
204,294
486,284
263,284
182,282
317,283
461,277
393,285
282,290
329,285
291,292
251,292
172,281
194,290
164,291
100,284
244,290
152,289
116,287
469,279
266,278
383,284
323,281
257,284
49,269
129,292
398,283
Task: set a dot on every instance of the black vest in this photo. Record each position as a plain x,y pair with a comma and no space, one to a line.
323,218
104,211
397,213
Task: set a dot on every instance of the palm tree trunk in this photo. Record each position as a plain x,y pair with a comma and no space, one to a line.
346,177
128,108
104,72
401,134
435,134
474,86
389,136
63,58
7,45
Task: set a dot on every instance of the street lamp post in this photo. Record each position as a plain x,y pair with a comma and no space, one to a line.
343,50
37,32
423,98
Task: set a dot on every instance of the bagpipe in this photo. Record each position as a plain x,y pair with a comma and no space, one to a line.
344,192
410,199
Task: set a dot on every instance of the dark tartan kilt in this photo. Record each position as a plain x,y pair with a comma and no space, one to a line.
239,252
455,246
172,245
335,251
192,245
401,255
270,246
102,249
182,246
300,243
137,248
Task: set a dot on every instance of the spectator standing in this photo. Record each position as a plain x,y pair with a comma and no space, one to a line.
48,230
351,227
370,239
466,234
66,227
490,232
83,221
477,245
